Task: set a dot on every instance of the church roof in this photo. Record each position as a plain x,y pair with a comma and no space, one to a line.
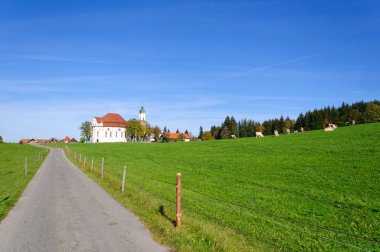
111,120
142,110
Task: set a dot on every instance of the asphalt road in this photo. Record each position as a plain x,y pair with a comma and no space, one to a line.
63,210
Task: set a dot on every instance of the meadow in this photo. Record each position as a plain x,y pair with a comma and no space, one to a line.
12,172
308,191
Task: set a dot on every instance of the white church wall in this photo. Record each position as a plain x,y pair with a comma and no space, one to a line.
108,134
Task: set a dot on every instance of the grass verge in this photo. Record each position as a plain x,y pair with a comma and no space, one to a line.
12,172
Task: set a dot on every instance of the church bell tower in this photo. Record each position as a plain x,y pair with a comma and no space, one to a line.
142,114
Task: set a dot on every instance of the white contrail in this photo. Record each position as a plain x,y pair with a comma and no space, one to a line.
265,67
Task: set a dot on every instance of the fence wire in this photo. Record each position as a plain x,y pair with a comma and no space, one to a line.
274,218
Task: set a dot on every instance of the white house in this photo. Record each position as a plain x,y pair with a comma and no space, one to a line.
111,128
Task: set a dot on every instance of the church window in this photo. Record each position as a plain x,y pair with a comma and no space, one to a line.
106,133
116,134
97,133
111,134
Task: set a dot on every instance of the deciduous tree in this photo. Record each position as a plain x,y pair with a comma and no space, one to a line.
86,130
207,136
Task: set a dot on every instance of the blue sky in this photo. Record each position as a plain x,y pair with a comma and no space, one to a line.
190,63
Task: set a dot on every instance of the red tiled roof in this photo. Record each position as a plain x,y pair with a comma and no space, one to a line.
42,140
66,139
111,120
176,135
25,140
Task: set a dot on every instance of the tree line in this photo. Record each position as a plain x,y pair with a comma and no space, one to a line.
344,115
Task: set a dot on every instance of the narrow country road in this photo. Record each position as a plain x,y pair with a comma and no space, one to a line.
63,210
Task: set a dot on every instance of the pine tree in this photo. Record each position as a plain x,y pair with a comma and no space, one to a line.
282,124
177,131
227,123
234,127
165,130
225,133
200,132
243,128
251,128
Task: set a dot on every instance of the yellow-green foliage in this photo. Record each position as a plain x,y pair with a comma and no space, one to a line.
307,191
12,173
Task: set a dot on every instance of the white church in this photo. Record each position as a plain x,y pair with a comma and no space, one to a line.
111,127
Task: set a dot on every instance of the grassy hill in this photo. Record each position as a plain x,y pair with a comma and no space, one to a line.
12,174
307,191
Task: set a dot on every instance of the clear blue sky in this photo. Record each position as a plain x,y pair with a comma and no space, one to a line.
190,63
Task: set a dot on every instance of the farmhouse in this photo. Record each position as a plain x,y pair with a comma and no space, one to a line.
111,127
175,136
66,139
27,140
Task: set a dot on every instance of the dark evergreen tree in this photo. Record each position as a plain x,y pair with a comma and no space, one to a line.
251,128
225,133
243,128
233,127
200,132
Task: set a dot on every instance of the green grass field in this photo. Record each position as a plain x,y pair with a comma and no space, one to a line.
307,191
12,172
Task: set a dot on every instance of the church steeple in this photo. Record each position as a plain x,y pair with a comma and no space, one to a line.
142,114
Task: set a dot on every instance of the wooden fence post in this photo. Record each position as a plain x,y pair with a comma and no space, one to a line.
179,210
26,166
122,185
84,161
75,155
39,156
80,157
102,168
92,163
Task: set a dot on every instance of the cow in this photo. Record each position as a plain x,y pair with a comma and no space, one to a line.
296,131
330,127
276,133
259,134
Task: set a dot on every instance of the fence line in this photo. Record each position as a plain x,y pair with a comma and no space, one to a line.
271,215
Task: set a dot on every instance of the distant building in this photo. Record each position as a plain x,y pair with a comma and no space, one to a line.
108,129
142,114
175,136
27,140
53,140
111,127
66,139
40,141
